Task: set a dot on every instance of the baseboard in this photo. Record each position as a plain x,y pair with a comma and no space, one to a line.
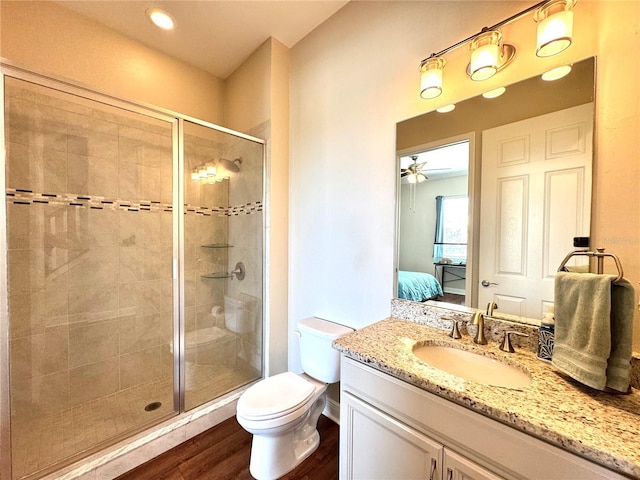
457,291
332,410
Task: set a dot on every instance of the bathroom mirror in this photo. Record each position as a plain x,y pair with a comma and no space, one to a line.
519,165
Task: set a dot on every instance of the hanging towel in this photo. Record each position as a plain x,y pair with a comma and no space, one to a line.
593,329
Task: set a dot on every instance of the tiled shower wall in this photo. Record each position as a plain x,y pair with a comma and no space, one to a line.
90,249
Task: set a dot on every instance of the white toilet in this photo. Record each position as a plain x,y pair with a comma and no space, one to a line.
282,411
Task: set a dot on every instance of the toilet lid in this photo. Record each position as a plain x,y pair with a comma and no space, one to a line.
275,396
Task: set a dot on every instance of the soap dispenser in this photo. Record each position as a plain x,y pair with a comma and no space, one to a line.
546,335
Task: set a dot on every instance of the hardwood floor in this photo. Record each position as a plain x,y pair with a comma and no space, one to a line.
223,453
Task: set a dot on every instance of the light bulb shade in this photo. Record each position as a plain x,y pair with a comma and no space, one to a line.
431,77
411,178
211,169
555,27
420,177
202,172
195,176
485,55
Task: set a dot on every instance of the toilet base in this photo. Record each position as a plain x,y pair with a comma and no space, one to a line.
275,455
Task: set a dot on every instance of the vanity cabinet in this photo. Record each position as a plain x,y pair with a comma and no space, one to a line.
390,429
379,447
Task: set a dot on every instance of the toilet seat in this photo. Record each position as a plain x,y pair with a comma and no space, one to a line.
275,397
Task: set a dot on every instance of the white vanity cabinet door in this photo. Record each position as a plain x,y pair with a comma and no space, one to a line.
378,447
457,467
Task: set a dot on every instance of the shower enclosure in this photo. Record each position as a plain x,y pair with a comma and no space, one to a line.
133,283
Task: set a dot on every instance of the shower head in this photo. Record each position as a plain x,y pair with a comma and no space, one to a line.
230,165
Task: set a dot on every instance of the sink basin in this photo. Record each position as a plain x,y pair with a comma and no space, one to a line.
473,366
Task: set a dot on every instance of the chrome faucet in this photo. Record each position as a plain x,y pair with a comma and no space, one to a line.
478,319
491,306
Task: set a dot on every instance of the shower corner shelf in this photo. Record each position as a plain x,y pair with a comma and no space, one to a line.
217,275
216,245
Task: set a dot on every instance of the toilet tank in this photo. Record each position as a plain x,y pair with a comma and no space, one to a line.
319,359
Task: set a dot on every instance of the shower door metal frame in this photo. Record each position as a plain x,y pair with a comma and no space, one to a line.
10,69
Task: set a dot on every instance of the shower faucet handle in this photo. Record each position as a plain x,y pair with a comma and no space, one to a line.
238,271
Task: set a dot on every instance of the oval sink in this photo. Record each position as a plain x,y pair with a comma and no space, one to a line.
472,366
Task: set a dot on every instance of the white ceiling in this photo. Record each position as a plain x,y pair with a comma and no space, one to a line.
214,35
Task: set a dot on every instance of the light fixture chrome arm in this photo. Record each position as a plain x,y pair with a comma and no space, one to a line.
484,29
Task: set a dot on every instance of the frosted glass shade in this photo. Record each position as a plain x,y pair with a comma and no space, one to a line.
431,77
485,55
555,27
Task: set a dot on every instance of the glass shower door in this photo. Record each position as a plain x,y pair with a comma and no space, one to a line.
223,235
90,252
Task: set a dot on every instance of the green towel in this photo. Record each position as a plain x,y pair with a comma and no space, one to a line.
593,331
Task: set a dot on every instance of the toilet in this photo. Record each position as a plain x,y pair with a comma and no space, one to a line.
282,411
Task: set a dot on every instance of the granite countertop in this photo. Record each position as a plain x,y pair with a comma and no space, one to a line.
600,426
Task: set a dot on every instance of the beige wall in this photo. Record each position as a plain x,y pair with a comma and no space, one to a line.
46,38
258,92
350,87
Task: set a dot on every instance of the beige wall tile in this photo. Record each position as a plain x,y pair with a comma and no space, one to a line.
93,342
40,354
129,176
93,144
146,365
26,270
139,332
24,164
92,381
55,168
96,266
91,302
25,226
31,398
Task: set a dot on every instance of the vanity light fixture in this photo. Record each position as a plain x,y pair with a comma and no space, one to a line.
489,55
556,73
160,18
555,27
496,92
431,77
447,108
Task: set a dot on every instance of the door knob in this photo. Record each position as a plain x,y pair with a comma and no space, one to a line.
486,283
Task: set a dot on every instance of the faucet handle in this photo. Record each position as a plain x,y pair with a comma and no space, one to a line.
455,329
506,345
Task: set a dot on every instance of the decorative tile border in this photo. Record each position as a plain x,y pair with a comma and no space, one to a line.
28,197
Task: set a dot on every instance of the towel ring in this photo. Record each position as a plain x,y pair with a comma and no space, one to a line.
600,254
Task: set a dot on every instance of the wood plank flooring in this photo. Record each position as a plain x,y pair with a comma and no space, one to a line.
223,452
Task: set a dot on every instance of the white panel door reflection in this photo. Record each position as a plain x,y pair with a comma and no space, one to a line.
536,196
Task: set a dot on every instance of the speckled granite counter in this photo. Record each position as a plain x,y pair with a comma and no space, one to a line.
599,426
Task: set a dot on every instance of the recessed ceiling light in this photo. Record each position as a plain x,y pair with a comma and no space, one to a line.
496,92
160,18
556,73
446,108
